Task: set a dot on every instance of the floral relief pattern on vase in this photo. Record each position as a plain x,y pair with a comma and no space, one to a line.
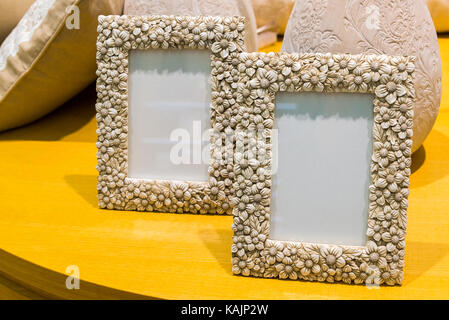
309,35
402,27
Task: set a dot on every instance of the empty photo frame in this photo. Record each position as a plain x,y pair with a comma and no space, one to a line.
290,94
159,77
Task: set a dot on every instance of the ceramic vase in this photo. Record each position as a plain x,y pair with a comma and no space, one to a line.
399,27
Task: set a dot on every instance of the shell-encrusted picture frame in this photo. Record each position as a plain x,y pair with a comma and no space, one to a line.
117,35
390,80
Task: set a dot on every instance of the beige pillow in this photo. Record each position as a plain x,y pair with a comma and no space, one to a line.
439,9
11,11
46,60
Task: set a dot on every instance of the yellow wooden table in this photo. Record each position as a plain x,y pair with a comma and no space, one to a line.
49,220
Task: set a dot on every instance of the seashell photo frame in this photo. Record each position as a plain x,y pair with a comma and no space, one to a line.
381,260
117,35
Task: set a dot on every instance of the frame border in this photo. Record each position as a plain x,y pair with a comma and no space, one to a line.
381,261
117,35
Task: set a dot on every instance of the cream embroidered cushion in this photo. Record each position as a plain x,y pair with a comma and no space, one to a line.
45,61
11,11
439,9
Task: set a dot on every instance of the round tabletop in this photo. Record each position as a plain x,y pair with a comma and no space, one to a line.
50,224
